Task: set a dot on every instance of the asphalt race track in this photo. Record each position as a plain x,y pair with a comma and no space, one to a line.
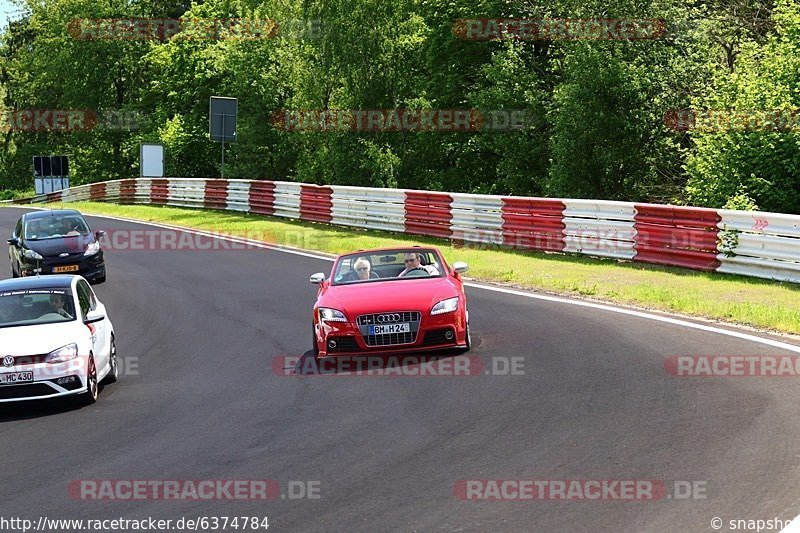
197,332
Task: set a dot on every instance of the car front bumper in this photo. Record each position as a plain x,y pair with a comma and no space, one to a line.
435,332
49,380
91,267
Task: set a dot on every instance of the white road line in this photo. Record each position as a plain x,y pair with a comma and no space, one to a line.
556,299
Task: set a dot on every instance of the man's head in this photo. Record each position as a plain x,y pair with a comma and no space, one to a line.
362,268
57,301
411,260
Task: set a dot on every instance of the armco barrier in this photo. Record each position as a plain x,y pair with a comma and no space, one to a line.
676,236
764,245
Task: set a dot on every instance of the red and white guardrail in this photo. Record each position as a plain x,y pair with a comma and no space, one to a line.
764,245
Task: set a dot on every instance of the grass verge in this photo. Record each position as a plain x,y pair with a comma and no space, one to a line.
737,299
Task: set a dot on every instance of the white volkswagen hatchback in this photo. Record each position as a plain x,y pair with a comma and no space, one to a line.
55,339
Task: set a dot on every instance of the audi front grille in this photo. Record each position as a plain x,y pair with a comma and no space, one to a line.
389,317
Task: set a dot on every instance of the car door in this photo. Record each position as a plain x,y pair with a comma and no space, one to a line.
88,302
13,249
103,329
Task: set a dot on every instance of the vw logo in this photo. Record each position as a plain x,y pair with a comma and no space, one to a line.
393,317
8,361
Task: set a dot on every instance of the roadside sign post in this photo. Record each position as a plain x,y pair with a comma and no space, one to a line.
222,113
151,160
50,173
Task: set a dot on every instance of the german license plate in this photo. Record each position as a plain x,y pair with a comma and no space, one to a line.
67,268
16,377
390,328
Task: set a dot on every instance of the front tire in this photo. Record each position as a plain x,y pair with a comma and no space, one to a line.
113,373
92,386
467,338
315,346
101,279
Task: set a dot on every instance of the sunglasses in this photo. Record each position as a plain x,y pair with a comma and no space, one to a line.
362,269
410,260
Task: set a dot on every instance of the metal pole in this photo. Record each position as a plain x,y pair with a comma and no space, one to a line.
223,146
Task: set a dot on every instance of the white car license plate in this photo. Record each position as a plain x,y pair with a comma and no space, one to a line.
390,328
16,377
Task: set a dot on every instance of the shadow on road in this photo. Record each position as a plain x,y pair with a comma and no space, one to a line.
13,411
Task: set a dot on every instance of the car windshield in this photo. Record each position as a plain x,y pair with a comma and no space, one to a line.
55,227
30,307
387,265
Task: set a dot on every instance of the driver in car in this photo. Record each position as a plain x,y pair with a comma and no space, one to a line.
412,262
59,305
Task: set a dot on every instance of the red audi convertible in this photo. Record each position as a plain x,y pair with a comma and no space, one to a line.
390,300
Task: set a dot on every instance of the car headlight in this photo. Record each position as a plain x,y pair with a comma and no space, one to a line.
445,306
65,353
31,254
92,248
331,315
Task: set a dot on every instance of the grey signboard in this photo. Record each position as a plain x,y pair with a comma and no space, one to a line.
222,118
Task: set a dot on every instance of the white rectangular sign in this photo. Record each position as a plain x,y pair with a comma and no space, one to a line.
151,160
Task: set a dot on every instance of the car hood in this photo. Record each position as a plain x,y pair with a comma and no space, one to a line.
377,297
50,247
39,339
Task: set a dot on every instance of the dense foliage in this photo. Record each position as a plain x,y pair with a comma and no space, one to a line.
594,109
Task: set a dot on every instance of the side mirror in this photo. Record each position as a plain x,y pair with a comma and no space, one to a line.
460,267
94,316
13,241
317,278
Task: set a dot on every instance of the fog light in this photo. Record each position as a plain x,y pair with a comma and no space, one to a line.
65,381
331,344
448,335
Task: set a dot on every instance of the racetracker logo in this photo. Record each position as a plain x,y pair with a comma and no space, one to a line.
732,366
391,120
579,489
397,366
172,240
558,29
192,490
721,120
206,29
63,120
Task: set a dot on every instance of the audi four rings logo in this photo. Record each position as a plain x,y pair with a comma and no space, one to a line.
8,361
394,317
